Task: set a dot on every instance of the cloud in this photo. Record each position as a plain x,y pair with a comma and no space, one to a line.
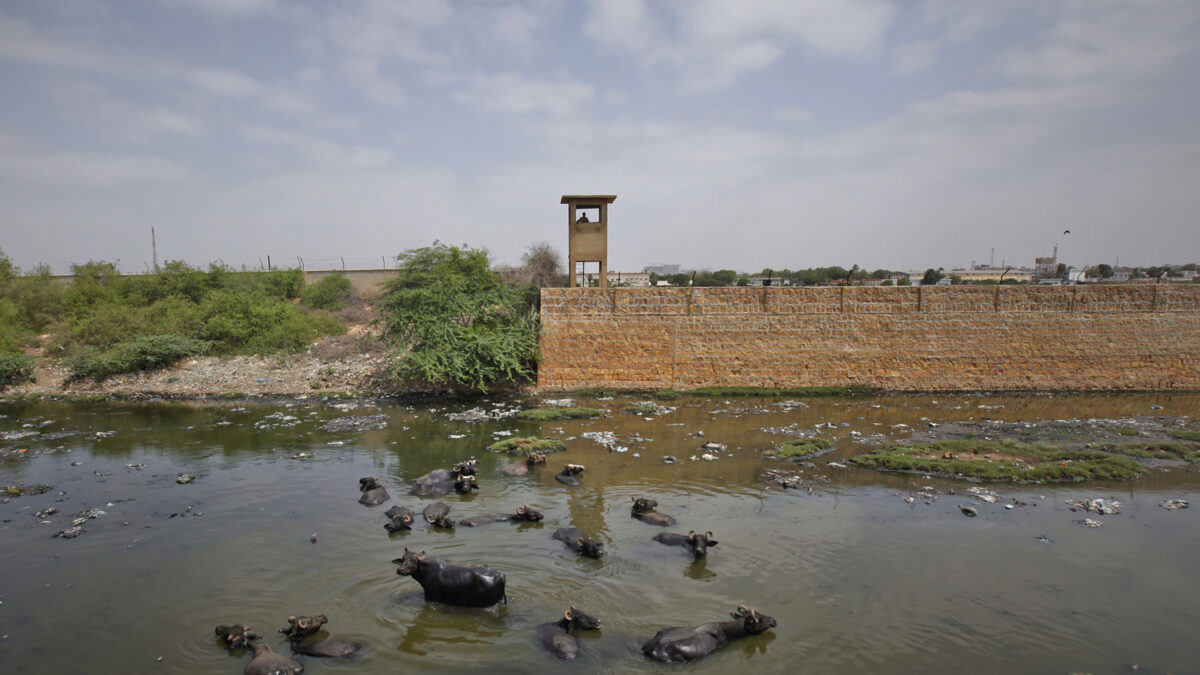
80,169
227,7
318,151
512,92
712,43
221,81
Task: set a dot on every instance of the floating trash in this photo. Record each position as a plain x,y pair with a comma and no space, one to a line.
1172,504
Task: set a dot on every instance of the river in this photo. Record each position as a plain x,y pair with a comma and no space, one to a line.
864,572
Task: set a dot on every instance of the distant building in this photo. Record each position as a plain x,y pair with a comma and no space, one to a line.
979,274
1045,268
636,279
661,269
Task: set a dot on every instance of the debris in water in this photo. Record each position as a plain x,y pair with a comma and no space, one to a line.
184,478
968,511
1041,538
1172,504
669,459
984,494
1090,523
1101,506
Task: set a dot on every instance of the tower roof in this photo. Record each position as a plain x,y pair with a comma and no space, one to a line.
592,199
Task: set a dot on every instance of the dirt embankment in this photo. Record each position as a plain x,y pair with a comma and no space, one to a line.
353,363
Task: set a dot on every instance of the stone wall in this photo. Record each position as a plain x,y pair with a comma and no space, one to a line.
1131,337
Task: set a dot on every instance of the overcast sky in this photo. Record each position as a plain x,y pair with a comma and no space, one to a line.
736,134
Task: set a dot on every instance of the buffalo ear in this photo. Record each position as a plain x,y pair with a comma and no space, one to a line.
691,534
398,561
578,543
567,615
421,555
742,610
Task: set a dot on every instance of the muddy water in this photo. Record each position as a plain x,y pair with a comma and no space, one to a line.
859,579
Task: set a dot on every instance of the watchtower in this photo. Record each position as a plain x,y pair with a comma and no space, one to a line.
587,220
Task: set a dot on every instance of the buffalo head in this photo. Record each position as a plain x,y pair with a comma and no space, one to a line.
526,513
535,458
236,635
464,484
408,563
578,619
301,627
368,483
589,547
699,543
572,470
469,467
644,505
753,622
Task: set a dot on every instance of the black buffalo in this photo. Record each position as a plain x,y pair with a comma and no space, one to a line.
697,544
330,649
302,627
556,637
453,583
568,475
436,515
267,662
523,513
399,518
373,493
579,542
643,510
460,479
236,635
688,644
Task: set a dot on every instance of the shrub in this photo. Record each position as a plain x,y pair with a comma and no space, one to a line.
15,368
329,292
144,353
451,320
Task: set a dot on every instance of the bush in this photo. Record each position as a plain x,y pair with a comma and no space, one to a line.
15,368
553,414
144,353
329,292
452,320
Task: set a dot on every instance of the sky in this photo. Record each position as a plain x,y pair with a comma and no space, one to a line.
736,135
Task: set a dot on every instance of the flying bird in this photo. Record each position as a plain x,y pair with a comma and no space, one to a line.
1066,232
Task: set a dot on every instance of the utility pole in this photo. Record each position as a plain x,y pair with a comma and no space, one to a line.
154,248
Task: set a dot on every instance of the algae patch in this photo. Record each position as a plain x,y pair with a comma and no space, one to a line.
800,448
1001,461
526,445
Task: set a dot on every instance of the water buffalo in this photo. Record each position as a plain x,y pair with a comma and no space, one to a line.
522,513
522,466
556,637
302,627
267,662
236,635
643,510
568,475
453,583
688,644
527,514
373,493
436,515
579,542
696,543
484,519
330,649
399,518
460,479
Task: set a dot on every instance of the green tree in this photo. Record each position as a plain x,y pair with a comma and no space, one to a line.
453,321
1106,271
932,276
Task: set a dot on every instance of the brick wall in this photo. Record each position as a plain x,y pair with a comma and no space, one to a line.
897,338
